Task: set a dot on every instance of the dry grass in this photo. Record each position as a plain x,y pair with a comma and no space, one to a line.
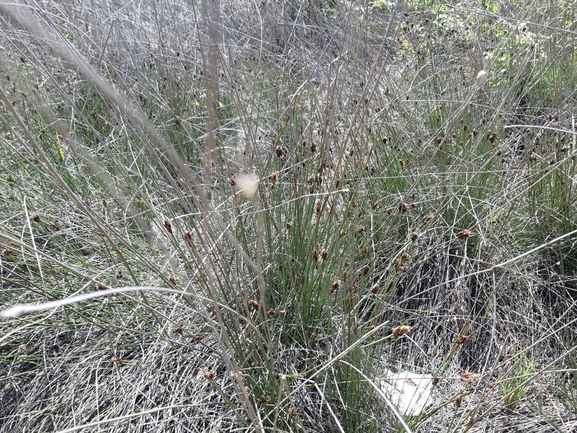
405,215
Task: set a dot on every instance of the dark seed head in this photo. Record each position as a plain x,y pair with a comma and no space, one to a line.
335,286
464,234
168,226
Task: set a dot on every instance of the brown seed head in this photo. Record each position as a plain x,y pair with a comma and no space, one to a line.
235,374
401,330
335,286
428,218
468,377
315,255
188,239
464,234
399,264
168,226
